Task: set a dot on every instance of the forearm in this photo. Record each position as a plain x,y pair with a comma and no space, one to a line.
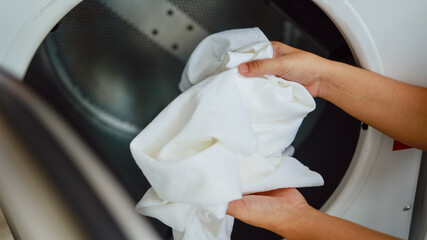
394,108
313,224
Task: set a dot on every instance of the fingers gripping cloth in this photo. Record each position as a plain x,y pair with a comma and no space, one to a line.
224,136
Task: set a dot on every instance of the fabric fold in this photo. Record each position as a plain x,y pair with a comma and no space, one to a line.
224,136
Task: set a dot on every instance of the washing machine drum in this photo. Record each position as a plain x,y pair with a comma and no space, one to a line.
110,75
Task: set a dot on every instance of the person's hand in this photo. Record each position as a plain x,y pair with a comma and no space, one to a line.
273,210
291,64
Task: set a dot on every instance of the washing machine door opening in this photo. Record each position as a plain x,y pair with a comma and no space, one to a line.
110,73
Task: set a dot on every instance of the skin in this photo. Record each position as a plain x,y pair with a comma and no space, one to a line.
397,109
286,212
394,108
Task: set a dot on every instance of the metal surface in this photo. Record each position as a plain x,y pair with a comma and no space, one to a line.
109,59
31,200
5,232
163,23
51,183
111,68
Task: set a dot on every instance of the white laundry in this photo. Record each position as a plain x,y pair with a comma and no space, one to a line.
221,138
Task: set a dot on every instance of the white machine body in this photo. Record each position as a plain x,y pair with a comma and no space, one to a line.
23,26
390,38
387,37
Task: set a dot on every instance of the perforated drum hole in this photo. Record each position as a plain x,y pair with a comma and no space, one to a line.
190,27
154,32
175,47
170,12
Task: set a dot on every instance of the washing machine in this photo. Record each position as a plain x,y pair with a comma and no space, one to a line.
79,79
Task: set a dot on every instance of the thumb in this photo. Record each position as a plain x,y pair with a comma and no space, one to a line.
234,207
261,67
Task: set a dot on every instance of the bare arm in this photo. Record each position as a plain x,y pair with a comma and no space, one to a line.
397,109
394,108
285,212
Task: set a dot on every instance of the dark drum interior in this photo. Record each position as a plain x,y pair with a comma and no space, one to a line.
109,80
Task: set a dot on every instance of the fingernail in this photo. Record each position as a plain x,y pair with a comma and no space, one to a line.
243,68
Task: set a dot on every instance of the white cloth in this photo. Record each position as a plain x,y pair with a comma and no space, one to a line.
221,138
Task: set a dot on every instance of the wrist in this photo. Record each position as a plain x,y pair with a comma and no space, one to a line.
294,221
332,72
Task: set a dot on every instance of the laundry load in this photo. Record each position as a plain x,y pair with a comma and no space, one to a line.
223,137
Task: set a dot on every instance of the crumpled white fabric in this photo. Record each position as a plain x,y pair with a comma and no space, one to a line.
224,136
